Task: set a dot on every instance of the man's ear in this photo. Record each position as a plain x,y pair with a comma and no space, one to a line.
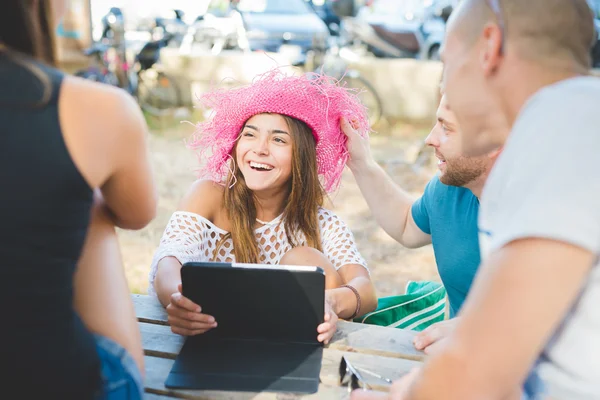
491,53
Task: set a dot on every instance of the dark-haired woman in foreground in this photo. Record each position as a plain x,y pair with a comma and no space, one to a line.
74,165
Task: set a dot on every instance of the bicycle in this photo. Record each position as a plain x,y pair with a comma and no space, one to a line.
99,70
156,92
334,61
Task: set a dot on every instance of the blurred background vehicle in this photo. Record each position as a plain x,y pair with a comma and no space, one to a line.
400,28
217,28
113,26
99,69
287,26
335,61
156,92
172,23
324,9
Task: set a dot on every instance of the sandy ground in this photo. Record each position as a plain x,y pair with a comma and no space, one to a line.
391,265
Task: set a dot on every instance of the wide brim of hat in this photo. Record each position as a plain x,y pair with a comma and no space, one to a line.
318,100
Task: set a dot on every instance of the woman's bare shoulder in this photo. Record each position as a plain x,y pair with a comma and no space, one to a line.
103,127
204,197
99,99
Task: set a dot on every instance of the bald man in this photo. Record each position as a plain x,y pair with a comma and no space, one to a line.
532,313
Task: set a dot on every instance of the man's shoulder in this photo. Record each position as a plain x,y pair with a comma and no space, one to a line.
573,86
558,120
577,95
445,201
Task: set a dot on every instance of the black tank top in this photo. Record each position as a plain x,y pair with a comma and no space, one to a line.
45,350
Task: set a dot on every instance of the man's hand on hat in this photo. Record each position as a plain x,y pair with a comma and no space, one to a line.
358,146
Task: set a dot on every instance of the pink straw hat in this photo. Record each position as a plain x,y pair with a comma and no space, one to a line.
318,100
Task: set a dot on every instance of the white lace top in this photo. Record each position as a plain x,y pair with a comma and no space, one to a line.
191,237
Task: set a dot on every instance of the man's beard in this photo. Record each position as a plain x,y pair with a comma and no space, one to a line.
461,171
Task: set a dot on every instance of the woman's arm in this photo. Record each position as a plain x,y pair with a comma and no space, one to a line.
182,239
182,242
340,248
167,279
106,135
344,301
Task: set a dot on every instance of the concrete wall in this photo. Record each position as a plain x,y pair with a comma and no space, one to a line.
409,89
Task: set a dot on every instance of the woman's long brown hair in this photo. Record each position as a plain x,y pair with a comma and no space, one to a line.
28,33
305,196
28,30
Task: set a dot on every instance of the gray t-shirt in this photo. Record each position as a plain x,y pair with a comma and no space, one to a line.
546,184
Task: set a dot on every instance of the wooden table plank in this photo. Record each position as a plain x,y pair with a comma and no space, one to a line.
149,309
151,396
157,370
159,341
350,336
376,340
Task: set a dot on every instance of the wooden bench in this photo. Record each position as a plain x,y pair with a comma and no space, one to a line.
385,351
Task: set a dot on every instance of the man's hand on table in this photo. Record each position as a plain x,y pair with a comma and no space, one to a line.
432,338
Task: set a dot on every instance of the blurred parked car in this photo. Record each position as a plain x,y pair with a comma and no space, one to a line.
219,27
325,11
289,26
400,28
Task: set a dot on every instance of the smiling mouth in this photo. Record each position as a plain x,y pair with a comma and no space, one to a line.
441,160
260,166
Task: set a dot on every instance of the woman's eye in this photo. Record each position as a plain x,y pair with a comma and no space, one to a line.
279,140
248,134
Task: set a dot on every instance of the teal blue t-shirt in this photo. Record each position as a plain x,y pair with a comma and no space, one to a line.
449,215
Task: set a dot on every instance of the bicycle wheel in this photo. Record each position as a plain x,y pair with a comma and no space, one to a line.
157,93
367,94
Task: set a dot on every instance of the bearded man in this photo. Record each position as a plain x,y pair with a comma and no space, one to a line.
444,216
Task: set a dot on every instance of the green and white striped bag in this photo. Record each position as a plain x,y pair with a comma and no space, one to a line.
423,304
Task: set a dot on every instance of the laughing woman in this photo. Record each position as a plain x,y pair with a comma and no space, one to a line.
271,152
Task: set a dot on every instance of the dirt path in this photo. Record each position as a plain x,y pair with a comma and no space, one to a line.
391,264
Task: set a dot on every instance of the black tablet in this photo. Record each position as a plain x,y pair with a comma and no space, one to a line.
266,338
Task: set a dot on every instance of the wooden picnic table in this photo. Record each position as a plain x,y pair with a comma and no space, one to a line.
385,351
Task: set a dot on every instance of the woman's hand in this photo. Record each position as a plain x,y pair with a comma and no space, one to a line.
327,328
185,316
